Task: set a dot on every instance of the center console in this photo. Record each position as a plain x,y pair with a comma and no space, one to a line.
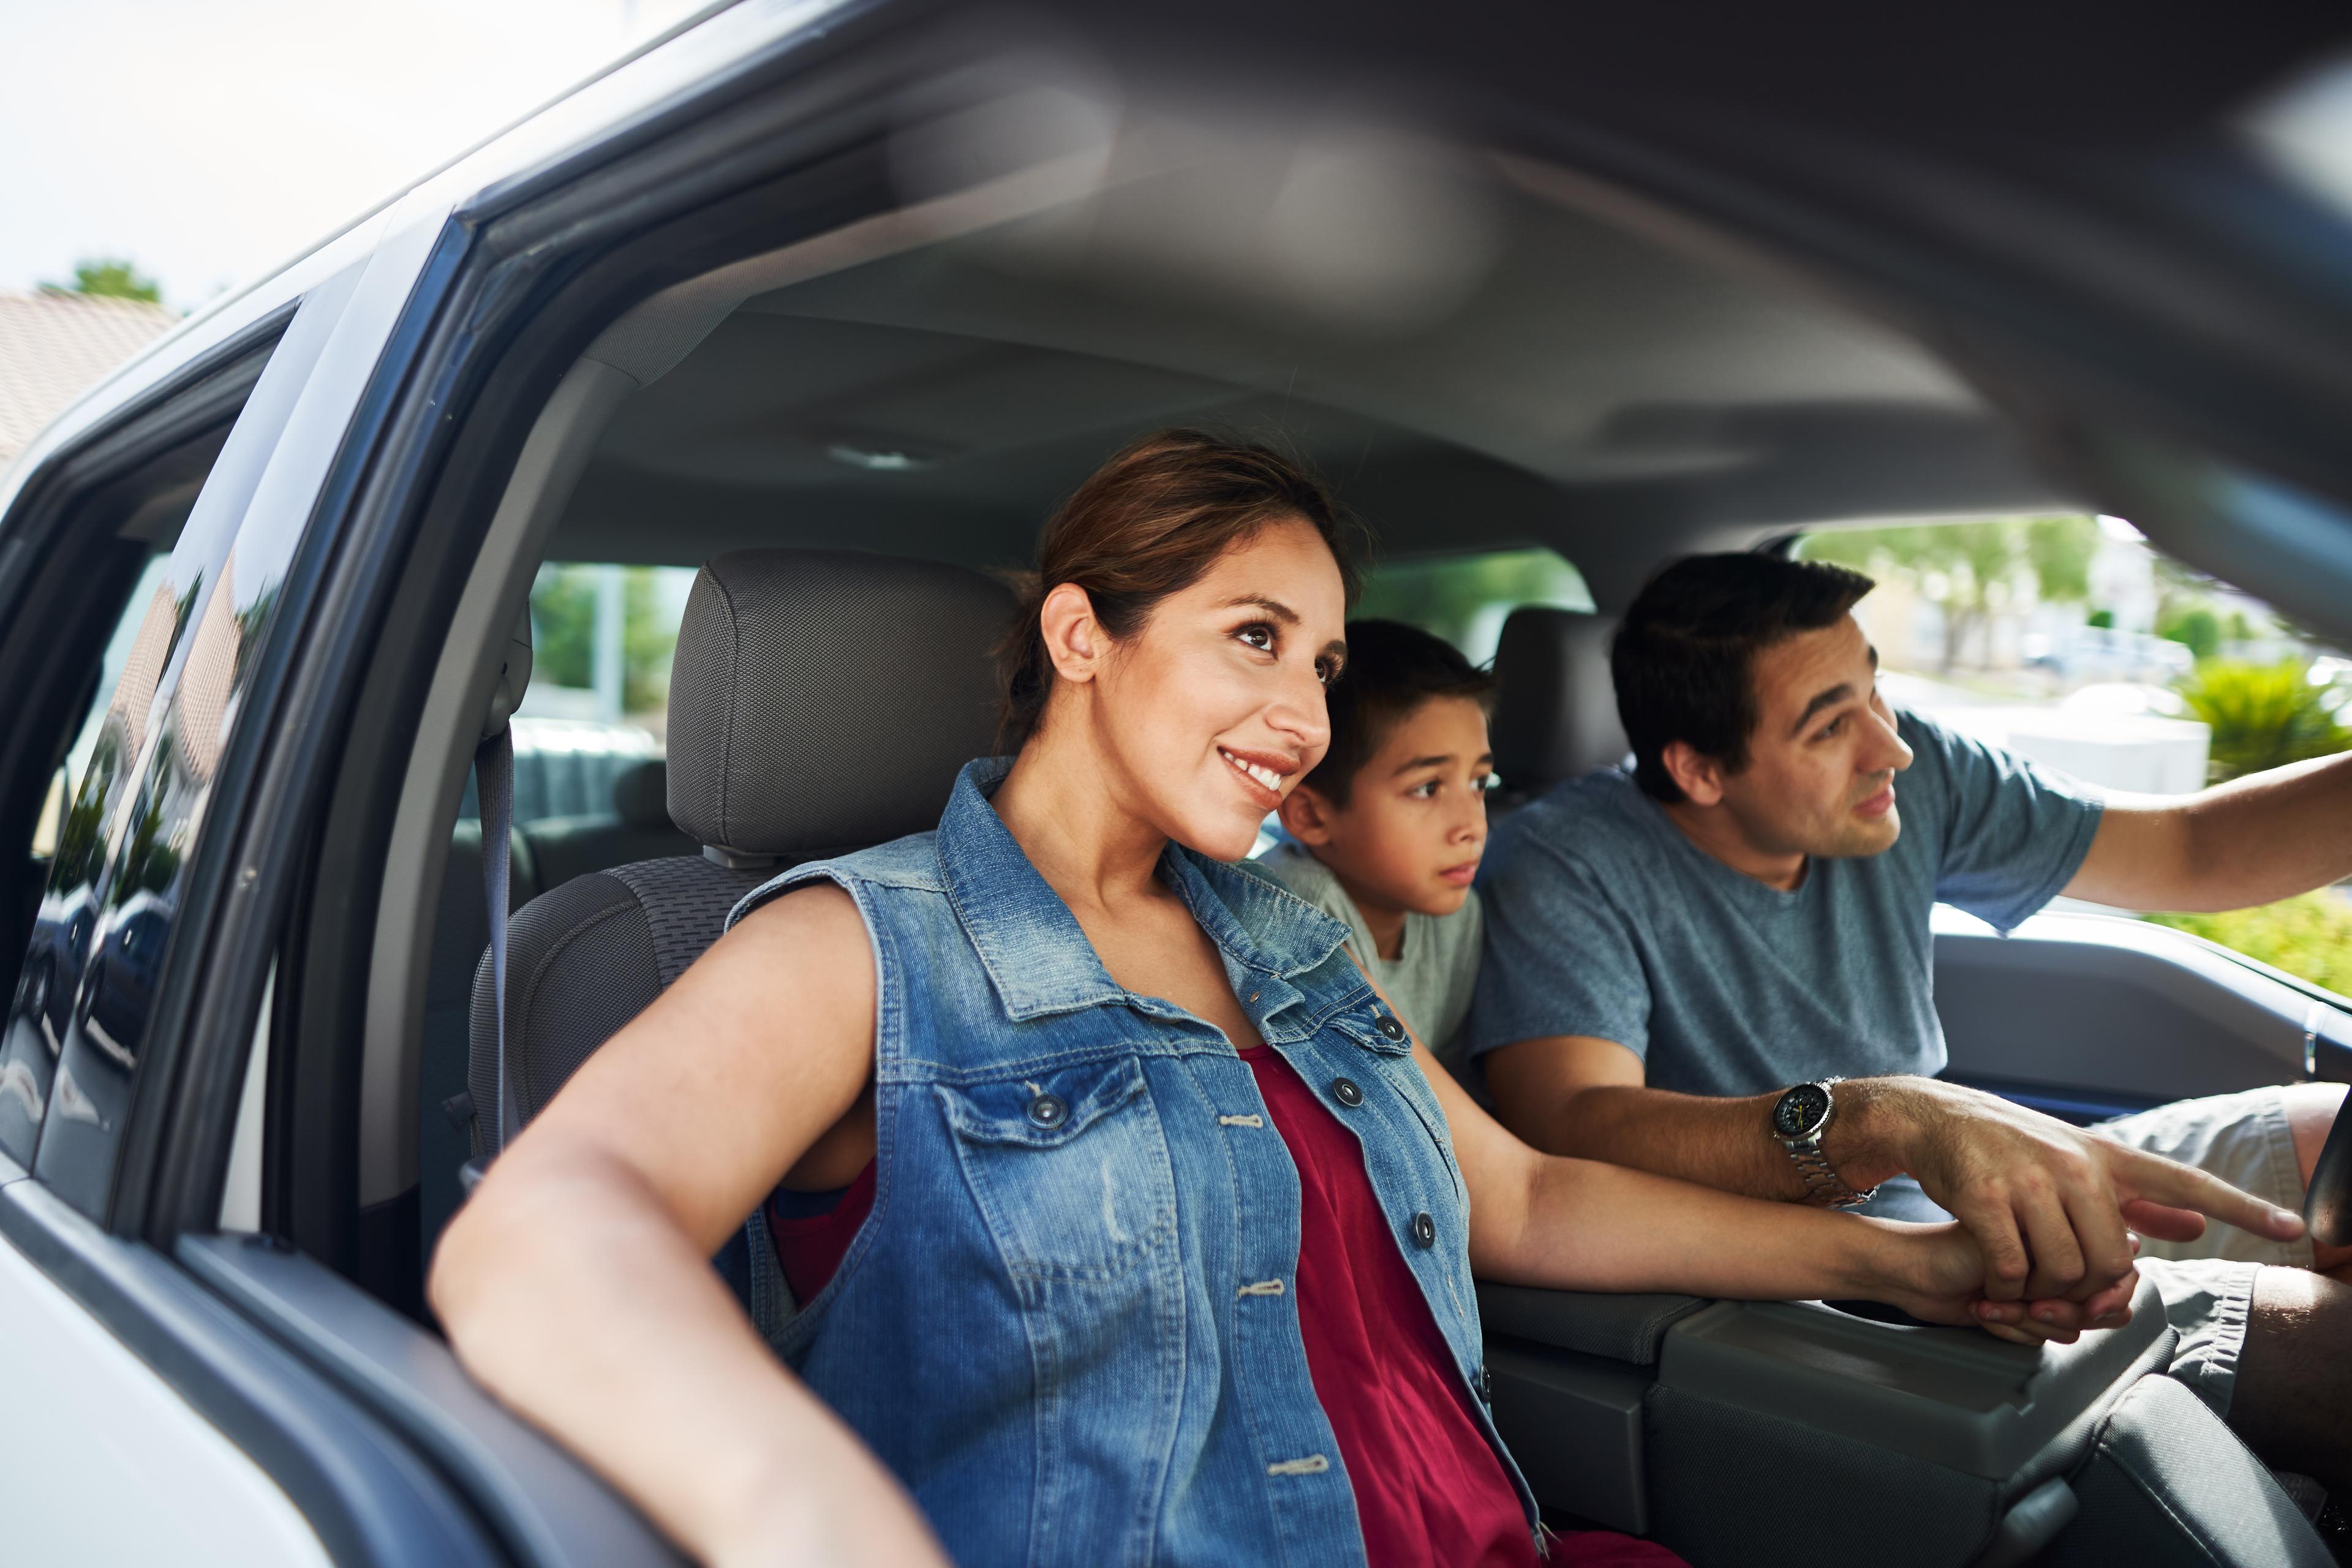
1802,1433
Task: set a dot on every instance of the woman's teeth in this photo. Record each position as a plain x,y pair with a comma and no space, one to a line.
1265,776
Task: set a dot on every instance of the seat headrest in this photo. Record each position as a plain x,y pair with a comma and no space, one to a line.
1555,708
641,795
822,700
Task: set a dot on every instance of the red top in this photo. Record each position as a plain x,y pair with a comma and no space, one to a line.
1428,1488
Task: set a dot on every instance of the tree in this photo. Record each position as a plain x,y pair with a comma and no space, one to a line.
1970,569
111,278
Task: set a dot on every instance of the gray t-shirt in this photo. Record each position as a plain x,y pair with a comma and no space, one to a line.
1605,919
1429,981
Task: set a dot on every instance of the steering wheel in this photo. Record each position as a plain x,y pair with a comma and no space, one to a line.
2327,1203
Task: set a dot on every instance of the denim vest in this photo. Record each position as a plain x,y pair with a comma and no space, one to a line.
1040,1327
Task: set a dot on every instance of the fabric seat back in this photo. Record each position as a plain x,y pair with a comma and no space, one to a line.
820,701
1555,708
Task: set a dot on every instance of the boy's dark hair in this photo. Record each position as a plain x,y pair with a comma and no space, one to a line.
1683,656
1391,669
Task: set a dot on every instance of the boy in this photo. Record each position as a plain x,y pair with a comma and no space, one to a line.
1389,827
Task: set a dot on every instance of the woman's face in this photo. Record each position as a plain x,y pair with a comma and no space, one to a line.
1211,712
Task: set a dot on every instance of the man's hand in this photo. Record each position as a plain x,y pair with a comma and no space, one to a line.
2047,1205
1936,1272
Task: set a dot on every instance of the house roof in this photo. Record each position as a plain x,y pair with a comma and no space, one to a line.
54,346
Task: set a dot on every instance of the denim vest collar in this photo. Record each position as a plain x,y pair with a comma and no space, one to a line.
1039,959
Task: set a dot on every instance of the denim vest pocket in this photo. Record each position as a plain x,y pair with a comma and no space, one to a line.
1070,1168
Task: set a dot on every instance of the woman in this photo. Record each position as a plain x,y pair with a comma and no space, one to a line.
1161,1227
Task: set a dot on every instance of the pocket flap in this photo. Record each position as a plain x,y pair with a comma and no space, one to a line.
1361,1023
1043,1110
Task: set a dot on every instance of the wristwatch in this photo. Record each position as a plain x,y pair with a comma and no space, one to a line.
1799,1117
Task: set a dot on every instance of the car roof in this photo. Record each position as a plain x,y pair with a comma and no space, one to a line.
1823,165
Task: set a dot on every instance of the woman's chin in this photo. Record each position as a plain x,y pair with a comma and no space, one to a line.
1219,836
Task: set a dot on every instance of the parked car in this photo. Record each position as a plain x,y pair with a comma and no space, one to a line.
889,278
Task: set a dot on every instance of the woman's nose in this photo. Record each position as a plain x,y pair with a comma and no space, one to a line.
1302,713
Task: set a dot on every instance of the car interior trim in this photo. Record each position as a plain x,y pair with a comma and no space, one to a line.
545,1507
370,1500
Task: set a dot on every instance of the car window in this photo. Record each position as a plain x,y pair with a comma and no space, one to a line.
1465,598
598,701
2075,641
48,829
126,832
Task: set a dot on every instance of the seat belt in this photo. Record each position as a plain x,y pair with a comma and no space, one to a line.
494,790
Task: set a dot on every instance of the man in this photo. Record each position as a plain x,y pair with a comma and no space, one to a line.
1682,964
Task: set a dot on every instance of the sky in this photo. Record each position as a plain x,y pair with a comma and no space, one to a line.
210,141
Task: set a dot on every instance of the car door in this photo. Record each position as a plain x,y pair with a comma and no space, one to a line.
147,1418
2088,1016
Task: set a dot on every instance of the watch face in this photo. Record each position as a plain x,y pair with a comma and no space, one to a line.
1801,1110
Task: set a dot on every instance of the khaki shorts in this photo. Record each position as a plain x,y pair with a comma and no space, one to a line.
2207,1285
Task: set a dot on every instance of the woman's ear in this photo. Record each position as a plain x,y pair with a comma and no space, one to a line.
1306,816
1074,638
1699,777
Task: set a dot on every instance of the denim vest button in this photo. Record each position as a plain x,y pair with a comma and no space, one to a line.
1390,1026
1048,1109
1345,1091
1424,1229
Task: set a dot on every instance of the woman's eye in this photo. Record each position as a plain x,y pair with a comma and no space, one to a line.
1257,635
1423,791
1488,783
1327,670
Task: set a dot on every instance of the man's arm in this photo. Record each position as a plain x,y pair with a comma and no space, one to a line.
2251,841
2046,1203
1573,1094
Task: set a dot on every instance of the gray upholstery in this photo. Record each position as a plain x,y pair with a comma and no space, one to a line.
1554,709
1731,1486
638,827
641,796
2169,1487
821,701
1621,1328
585,958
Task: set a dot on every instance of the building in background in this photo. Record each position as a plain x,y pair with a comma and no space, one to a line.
54,346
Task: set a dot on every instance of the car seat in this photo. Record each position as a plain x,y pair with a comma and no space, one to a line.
1555,708
819,702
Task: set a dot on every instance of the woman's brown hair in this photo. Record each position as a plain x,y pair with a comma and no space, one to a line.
1149,523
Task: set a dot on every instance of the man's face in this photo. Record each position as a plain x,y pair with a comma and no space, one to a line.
1819,778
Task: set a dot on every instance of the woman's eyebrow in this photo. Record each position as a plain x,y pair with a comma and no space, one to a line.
1275,608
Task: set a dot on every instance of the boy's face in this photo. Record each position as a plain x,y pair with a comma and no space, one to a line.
1415,822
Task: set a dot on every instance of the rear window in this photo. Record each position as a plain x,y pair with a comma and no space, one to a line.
1465,598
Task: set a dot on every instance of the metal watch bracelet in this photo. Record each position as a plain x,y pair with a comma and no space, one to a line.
1823,1186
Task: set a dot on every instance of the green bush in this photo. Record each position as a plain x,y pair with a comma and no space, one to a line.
2261,715
2310,935
2196,627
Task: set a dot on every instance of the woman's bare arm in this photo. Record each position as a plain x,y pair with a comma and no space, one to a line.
576,1283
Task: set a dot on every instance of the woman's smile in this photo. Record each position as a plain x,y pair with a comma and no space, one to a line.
1259,774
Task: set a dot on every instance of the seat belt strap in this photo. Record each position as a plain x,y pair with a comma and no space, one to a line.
494,784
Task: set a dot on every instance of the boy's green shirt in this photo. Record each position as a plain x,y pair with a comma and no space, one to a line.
1430,984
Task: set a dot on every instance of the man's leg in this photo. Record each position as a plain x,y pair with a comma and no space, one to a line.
2262,1140
2294,1376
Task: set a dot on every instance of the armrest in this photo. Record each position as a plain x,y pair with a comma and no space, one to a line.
1619,1327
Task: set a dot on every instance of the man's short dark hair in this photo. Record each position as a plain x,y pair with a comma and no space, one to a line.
1683,656
1391,669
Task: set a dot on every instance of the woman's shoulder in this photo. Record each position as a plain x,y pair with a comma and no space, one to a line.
908,864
